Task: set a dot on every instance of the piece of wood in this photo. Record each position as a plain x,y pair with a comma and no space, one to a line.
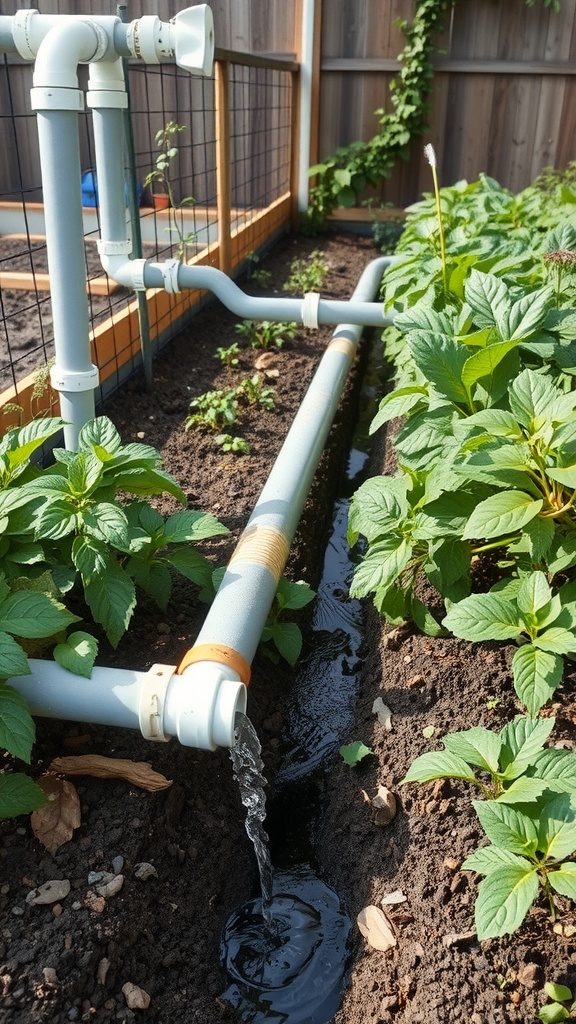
25,281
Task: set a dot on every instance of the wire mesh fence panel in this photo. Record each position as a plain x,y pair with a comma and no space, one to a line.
189,227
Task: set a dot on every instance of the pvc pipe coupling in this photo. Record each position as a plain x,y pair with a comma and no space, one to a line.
197,703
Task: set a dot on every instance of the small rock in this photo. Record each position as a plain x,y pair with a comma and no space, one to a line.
103,968
451,863
141,435
50,892
375,928
163,627
454,938
145,871
57,909
530,975
117,865
110,887
98,876
18,911
95,902
136,998
385,805
384,714
49,975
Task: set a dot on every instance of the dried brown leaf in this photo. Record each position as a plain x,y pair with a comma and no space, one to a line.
139,773
375,928
54,823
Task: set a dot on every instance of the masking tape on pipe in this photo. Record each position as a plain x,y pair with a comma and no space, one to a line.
219,653
310,310
342,345
264,545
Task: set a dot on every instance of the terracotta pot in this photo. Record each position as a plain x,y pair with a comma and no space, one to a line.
161,201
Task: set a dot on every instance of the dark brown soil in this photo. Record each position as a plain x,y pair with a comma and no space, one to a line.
163,934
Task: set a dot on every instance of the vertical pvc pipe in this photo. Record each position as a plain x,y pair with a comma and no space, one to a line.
306,67
61,185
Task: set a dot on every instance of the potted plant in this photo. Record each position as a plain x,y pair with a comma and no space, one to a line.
161,176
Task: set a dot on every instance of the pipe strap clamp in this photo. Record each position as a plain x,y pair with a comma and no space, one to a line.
170,270
152,699
138,267
310,310
44,97
123,248
73,381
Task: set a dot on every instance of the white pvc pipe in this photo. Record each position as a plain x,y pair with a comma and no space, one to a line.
199,707
305,111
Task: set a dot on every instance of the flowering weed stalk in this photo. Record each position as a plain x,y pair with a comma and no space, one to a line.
431,158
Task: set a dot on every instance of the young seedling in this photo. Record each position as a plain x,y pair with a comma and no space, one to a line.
252,392
286,636
228,443
354,753
266,333
161,174
257,274
213,409
307,275
528,815
229,356
557,1010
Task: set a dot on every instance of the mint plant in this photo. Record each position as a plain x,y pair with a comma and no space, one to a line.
286,637
253,392
528,815
213,410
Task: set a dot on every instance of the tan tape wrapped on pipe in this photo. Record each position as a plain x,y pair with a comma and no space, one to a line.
260,545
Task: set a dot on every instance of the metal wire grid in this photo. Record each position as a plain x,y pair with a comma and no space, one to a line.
260,153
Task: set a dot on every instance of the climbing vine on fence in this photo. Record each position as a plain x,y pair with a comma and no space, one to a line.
344,175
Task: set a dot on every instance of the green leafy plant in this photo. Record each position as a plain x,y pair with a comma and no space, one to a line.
213,409
228,443
286,637
528,815
354,753
67,519
253,392
162,175
555,1011
544,623
307,275
259,275
266,333
229,356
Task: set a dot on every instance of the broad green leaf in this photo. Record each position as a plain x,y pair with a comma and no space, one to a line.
522,790
377,506
525,315
56,520
107,522
90,556
29,437
565,475
423,617
564,880
552,1013
536,675
555,991
557,828
557,768
556,640
192,526
294,594
19,795
287,637
148,518
78,653
540,534
507,827
483,617
534,593
477,746
398,403
531,397
484,362
191,564
441,360
353,753
159,583
487,858
382,564
503,513
522,739
147,481
16,725
484,293
13,661
438,764
33,615
100,435
498,422
84,473
504,898
111,600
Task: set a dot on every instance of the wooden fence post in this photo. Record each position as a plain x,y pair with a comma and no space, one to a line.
223,163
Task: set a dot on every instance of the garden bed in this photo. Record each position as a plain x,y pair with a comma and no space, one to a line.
70,960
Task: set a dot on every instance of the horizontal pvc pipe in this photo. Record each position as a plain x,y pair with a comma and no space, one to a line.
199,706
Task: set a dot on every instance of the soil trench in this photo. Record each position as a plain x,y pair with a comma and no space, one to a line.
73,960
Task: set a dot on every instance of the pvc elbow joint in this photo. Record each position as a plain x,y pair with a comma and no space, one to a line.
199,706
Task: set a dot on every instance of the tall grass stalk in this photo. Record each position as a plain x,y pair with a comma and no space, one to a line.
431,158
